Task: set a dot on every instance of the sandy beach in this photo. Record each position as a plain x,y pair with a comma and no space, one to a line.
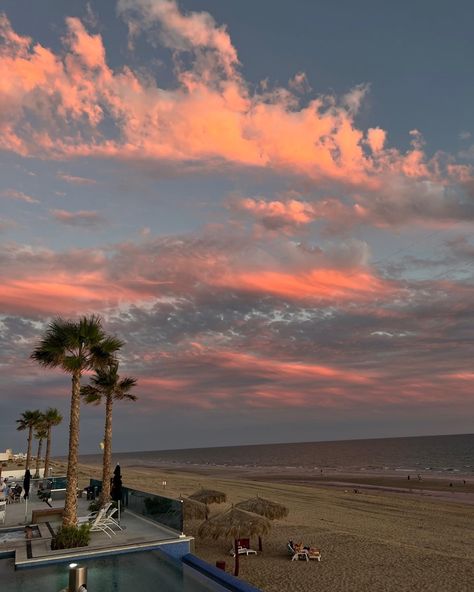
378,539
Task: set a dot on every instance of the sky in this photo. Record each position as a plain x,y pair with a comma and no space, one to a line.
271,203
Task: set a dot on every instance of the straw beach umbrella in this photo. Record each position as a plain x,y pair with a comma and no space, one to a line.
209,496
234,523
264,507
194,510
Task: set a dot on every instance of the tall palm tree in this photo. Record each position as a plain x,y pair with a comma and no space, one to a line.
28,421
40,434
106,385
75,346
52,418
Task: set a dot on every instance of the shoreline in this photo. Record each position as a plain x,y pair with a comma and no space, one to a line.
458,486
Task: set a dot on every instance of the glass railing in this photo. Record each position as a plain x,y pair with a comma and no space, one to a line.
163,510
49,483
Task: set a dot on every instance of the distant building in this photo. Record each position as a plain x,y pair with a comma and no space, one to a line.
7,455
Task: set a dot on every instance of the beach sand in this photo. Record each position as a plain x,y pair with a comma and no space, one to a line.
374,540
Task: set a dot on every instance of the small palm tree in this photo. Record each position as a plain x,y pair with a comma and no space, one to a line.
51,418
75,346
106,385
41,433
28,421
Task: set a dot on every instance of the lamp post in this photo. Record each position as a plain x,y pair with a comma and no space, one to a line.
77,578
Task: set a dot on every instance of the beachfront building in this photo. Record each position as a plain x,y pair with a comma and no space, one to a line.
6,456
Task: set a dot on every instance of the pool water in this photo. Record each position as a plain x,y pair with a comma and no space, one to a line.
141,572
16,534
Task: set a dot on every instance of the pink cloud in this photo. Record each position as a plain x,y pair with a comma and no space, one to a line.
317,284
81,218
75,180
209,115
40,280
19,196
277,214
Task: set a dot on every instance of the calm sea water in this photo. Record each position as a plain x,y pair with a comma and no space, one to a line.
433,454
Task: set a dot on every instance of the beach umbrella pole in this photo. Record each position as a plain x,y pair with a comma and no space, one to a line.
26,509
236,561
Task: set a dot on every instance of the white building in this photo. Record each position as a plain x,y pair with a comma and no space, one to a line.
7,455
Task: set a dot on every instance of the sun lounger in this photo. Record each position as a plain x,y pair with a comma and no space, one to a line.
304,553
109,519
243,551
92,515
98,522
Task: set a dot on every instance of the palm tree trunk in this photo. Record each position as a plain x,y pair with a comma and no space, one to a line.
28,452
70,505
38,459
48,453
107,460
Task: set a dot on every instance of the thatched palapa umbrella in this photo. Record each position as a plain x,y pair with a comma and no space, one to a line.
194,510
234,523
264,507
209,496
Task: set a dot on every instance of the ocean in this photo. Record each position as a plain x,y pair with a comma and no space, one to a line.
435,455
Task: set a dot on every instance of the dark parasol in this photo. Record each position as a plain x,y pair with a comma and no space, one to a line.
116,490
26,484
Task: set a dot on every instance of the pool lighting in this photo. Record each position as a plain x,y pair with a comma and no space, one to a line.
77,578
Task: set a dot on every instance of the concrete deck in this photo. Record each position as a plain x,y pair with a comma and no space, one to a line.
137,533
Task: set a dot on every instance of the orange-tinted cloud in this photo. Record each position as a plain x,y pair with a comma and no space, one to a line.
40,280
88,218
19,196
276,214
318,284
209,116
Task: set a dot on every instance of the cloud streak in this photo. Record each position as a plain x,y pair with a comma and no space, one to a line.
82,218
19,196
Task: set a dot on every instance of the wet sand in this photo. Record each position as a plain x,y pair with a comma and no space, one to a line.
383,538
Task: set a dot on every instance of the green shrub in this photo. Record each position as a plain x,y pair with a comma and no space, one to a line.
69,537
94,506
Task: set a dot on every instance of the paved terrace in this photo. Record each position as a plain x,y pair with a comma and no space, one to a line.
137,533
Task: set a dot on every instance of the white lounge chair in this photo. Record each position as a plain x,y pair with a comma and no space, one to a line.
109,519
93,515
243,551
99,525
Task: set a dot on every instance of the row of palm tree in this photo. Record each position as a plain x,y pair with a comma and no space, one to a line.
77,347
40,424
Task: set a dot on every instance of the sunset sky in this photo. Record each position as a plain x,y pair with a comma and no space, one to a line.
271,203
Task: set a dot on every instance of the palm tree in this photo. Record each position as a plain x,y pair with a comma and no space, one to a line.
51,418
106,385
41,433
28,421
75,346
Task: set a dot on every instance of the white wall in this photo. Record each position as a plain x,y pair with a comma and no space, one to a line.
18,473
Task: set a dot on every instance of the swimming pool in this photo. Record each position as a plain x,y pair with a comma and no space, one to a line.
12,535
141,571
